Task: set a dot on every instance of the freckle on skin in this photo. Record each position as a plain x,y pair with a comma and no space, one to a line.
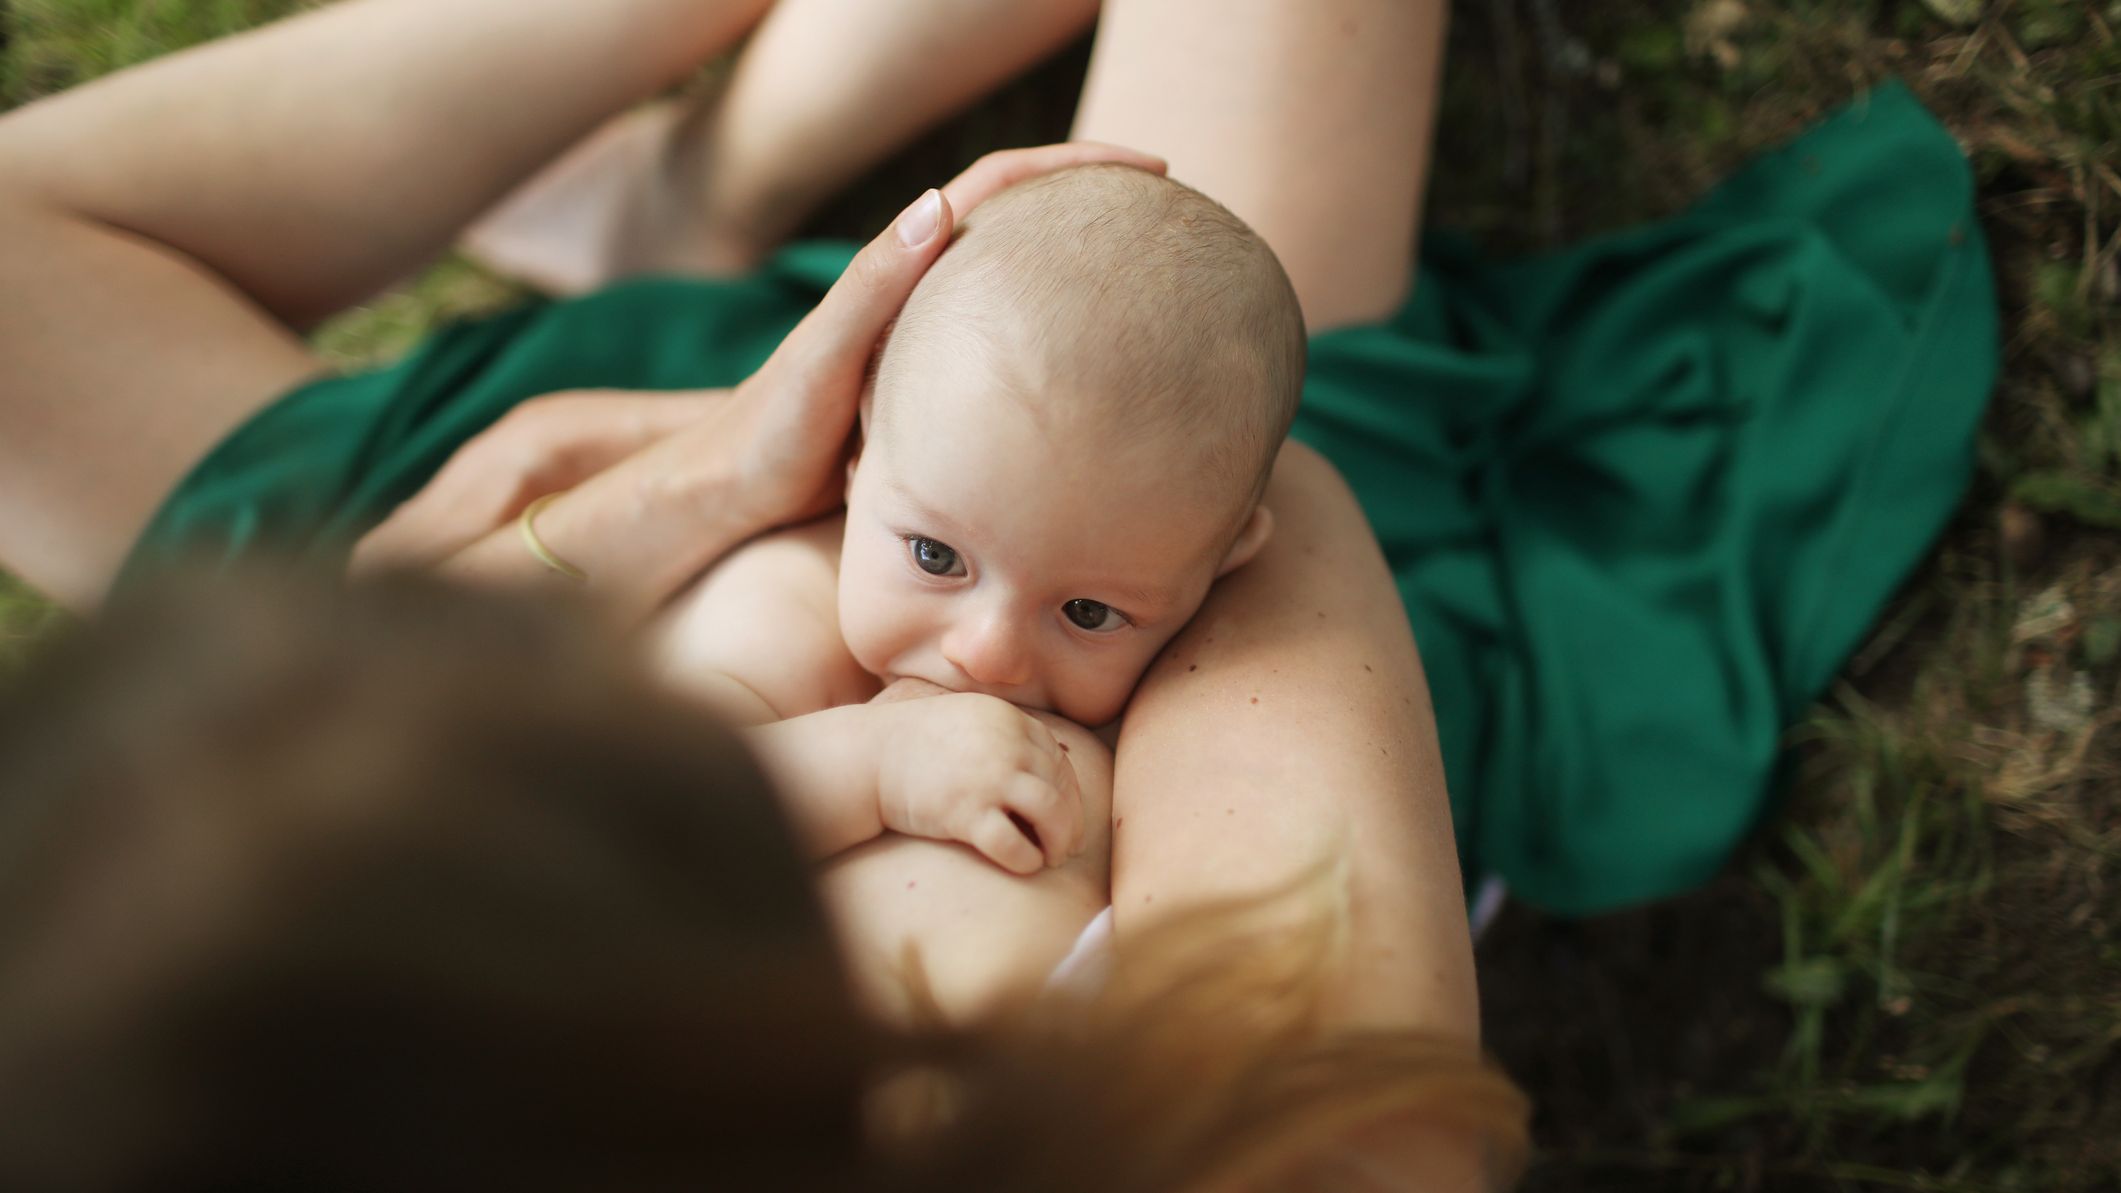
1255,700
911,885
1321,615
1366,666
1063,745
1194,667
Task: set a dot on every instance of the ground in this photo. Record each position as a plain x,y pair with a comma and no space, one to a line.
1911,979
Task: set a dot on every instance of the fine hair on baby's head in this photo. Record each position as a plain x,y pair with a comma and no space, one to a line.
1122,305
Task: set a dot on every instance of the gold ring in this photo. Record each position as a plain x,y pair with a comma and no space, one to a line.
537,545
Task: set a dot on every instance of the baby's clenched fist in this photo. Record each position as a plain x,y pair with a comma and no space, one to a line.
977,769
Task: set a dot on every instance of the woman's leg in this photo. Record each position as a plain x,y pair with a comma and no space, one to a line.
1311,121
252,185
824,90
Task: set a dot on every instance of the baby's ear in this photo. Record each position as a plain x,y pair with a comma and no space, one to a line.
1258,529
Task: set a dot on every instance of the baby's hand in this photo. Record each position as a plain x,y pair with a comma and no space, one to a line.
974,768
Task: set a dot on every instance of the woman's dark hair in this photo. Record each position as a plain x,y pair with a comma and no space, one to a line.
403,887
398,887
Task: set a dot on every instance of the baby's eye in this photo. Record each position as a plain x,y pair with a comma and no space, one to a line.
934,558
1094,616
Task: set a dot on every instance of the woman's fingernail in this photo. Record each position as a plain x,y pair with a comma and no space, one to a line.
917,225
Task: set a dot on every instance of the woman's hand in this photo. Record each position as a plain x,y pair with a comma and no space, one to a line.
543,446
770,453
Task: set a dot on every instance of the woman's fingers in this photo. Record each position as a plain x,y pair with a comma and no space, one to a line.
844,329
798,410
831,346
842,332
542,446
998,171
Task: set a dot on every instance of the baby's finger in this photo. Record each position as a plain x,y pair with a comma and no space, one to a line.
1051,764
1004,844
1057,818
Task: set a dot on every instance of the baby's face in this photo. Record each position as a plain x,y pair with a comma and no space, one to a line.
1041,563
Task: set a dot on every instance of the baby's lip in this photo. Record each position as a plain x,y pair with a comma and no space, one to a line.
912,687
908,687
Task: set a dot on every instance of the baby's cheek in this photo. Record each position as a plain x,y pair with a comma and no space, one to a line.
1097,693
868,619
861,631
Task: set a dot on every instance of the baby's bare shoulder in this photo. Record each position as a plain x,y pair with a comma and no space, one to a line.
767,616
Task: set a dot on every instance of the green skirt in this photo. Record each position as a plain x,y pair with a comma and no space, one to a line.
1642,497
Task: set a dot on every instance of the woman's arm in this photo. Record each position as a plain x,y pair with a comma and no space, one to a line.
252,185
1290,723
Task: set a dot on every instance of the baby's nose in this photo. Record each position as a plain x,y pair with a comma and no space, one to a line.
992,649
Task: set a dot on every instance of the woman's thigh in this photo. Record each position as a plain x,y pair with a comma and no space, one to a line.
1311,119
126,363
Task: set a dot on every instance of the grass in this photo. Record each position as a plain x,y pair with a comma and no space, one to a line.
1912,978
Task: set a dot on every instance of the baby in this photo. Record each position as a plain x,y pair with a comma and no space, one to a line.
1066,443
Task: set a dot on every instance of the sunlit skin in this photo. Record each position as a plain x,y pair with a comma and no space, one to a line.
996,545
1015,532
1017,538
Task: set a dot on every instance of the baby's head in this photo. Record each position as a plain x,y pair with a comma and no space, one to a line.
1069,433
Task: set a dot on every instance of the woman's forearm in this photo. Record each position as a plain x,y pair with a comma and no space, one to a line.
1289,725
